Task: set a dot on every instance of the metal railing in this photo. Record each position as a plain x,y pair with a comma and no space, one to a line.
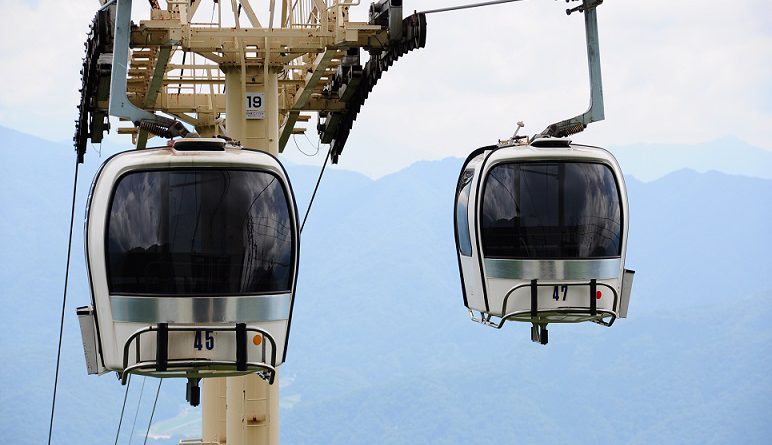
598,315
162,366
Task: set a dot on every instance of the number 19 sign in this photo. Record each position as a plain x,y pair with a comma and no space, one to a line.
255,106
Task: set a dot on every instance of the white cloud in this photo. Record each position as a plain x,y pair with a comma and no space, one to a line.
686,71
41,47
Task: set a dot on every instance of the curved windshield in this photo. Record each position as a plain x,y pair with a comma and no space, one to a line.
462,215
198,232
551,210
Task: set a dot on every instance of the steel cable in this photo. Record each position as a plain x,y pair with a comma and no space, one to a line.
136,413
152,413
313,195
310,155
64,302
470,6
123,409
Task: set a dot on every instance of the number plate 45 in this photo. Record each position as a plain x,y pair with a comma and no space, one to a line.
203,339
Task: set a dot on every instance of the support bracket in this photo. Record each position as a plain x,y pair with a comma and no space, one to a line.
120,105
595,112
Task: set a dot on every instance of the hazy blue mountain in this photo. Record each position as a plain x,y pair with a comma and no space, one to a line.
728,154
382,351
682,369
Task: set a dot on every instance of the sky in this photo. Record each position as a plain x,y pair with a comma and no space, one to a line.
674,73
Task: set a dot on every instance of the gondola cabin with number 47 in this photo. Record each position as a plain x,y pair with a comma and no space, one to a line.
541,234
192,255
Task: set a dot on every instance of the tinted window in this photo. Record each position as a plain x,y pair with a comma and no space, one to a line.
194,232
545,210
462,215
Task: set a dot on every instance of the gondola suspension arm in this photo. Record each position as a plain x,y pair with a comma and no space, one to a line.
595,112
120,105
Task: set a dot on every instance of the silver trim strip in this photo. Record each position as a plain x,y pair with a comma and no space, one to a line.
602,269
200,309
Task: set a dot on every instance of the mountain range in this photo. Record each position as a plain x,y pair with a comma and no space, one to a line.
381,349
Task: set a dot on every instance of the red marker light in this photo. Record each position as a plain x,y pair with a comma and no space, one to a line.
598,294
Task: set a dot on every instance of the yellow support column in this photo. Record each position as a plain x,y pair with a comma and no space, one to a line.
250,405
252,411
213,411
253,131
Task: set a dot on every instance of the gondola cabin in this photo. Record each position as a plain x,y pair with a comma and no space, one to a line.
192,256
541,234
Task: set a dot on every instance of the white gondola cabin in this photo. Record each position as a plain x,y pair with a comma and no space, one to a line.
541,235
192,255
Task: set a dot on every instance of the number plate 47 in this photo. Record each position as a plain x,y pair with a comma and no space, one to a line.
556,294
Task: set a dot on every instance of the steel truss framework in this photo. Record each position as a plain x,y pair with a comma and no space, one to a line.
178,58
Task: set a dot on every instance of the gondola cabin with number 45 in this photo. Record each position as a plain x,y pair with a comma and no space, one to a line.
541,235
192,255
